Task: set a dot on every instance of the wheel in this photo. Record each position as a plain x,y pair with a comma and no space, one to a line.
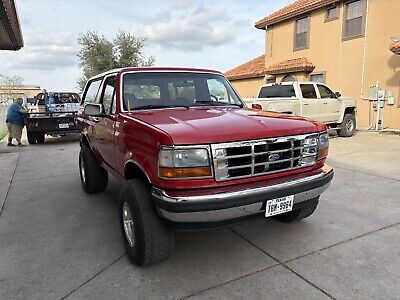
299,214
40,138
147,240
31,138
348,126
94,178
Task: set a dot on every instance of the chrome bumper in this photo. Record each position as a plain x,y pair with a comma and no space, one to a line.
208,208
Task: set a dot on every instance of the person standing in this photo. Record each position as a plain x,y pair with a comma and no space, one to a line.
15,122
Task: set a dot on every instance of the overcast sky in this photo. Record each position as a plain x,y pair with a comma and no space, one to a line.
191,33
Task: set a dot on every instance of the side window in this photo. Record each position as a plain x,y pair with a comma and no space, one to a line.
325,92
218,90
108,97
91,92
308,91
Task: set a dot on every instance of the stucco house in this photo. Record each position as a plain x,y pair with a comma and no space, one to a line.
348,44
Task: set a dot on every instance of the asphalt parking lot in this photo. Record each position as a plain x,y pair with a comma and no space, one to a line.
56,242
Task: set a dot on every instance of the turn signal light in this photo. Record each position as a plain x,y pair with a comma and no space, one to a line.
177,173
322,153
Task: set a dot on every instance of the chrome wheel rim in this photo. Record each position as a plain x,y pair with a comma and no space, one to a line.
82,169
350,125
129,227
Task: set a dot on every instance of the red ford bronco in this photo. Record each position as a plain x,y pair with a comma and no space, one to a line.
191,156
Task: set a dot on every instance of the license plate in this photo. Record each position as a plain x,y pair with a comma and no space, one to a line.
63,125
279,206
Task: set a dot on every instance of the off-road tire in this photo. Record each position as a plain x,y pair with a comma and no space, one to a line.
153,241
344,129
94,178
31,138
40,138
299,214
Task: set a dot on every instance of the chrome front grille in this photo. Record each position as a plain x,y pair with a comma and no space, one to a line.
259,157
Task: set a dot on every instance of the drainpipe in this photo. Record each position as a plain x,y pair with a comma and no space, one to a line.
363,66
365,52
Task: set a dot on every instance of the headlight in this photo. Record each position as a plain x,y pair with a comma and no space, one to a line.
323,145
314,147
180,163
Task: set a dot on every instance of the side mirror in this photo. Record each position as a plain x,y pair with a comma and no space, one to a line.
93,110
256,106
338,95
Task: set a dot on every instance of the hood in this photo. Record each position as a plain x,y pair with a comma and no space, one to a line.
205,125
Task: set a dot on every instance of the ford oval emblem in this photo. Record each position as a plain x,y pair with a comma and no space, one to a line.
274,157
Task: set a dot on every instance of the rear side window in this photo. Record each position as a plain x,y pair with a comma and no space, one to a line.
308,91
277,91
325,92
91,91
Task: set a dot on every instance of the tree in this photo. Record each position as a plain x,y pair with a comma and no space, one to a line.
97,54
10,88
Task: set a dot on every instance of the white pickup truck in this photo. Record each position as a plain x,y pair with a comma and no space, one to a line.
313,100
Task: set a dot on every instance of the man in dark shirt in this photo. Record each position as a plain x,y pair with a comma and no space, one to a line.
15,122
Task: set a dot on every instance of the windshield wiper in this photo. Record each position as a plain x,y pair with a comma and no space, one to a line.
217,103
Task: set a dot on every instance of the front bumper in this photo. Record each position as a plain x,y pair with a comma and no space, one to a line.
210,210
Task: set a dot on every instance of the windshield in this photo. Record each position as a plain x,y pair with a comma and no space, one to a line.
176,89
277,91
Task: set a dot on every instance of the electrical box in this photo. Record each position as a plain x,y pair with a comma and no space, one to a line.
373,93
381,95
390,98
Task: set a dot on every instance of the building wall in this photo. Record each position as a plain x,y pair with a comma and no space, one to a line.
248,88
343,60
23,91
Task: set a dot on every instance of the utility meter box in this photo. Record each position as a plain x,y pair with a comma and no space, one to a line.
373,93
390,98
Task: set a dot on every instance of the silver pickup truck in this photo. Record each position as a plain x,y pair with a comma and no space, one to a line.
313,100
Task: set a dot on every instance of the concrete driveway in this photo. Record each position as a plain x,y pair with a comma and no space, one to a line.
56,242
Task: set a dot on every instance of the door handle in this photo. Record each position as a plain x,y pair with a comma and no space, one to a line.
305,103
324,102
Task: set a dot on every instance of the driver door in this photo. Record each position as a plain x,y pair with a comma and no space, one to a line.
105,125
330,104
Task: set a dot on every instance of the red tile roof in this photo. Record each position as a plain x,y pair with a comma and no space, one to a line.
289,66
251,69
395,47
292,10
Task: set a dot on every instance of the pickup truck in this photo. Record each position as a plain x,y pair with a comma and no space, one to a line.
313,100
55,119
190,156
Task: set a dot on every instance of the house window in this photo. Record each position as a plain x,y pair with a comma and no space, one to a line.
288,78
317,77
271,80
331,14
354,18
301,33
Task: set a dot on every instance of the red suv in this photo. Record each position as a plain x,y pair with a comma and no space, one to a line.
191,156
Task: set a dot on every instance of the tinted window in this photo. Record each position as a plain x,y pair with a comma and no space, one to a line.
308,91
277,91
325,92
109,95
91,92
